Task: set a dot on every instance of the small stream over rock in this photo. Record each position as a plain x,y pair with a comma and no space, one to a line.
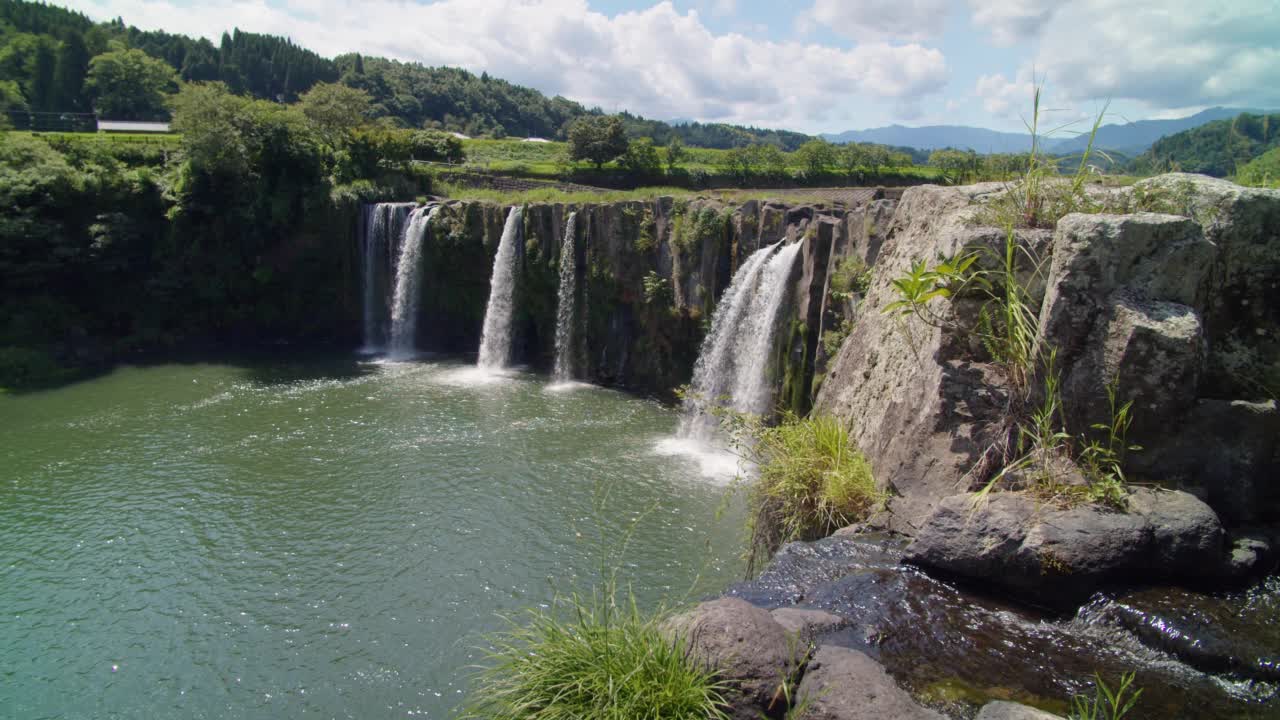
1197,656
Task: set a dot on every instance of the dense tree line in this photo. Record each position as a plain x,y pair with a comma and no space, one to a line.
710,135
47,54
236,238
1219,148
414,95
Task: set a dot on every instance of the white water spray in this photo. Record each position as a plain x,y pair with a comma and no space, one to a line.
733,366
384,223
566,305
495,343
404,302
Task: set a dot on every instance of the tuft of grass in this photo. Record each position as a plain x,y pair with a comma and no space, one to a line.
812,481
1039,198
593,659
1106,703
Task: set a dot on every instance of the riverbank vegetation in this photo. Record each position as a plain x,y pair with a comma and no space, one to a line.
810,481
593,658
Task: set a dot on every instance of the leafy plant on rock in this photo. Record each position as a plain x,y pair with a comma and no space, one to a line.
1106,703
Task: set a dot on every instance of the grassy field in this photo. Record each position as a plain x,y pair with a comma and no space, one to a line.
550,159
815,196
147,138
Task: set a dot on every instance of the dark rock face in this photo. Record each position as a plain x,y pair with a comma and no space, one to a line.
956,647
844,684
1228,452
1060,556
751,651
650,275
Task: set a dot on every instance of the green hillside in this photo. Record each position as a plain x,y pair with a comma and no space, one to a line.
1219,148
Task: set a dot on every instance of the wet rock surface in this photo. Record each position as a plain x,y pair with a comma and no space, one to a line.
1058,556
955,648
844,684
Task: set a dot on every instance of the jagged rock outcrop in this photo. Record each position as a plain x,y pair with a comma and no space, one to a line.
1174,310
920,413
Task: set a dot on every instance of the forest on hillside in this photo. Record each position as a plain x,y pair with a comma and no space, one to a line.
54,62
1221,148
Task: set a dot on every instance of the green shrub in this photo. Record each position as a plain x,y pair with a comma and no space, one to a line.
593,660
833,339
812,481
851,275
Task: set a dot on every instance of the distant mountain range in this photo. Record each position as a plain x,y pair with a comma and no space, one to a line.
1129,138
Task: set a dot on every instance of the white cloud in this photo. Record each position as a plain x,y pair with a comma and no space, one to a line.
658,61
880,19
1165,53
1003,97
1012,21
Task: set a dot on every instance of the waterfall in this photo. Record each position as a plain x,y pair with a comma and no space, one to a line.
495,343
384,223
733,366
404,302
565,314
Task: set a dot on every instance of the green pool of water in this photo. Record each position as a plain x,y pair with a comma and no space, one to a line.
319,538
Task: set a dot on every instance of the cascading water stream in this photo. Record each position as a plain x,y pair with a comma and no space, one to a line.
495,343
732,367
564,370
404,302
384,223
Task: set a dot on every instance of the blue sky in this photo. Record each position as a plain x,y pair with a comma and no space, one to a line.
813,65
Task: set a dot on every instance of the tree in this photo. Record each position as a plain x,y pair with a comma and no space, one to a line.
817,156
676,154
11,99
768,159
955,165
207,115
436,146
739,162
129,85
335,110
598,139
641,158
852,157
69,73
877,156
42,76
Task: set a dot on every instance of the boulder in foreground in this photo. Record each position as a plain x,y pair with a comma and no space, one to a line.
1059,556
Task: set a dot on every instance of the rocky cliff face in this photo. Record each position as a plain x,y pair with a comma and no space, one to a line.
1172,304
1170,298
650,275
